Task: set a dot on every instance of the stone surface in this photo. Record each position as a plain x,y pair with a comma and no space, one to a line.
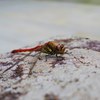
76,76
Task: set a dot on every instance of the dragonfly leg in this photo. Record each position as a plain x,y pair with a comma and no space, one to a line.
47,56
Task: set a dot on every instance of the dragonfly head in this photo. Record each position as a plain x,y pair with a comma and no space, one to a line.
60,49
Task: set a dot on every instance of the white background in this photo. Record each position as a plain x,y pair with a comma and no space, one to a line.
22,22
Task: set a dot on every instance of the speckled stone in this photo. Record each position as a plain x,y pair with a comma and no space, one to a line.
75,77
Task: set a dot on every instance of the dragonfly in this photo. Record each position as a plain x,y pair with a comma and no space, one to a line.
50,48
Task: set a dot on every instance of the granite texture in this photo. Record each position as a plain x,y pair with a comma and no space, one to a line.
74,76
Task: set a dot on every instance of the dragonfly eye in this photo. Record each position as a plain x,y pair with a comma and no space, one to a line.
61,46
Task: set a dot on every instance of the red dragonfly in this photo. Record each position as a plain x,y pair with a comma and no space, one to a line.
51,48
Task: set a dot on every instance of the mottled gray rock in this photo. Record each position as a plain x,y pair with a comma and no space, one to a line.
76,76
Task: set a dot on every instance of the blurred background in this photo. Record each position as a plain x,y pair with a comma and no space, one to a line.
23,22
